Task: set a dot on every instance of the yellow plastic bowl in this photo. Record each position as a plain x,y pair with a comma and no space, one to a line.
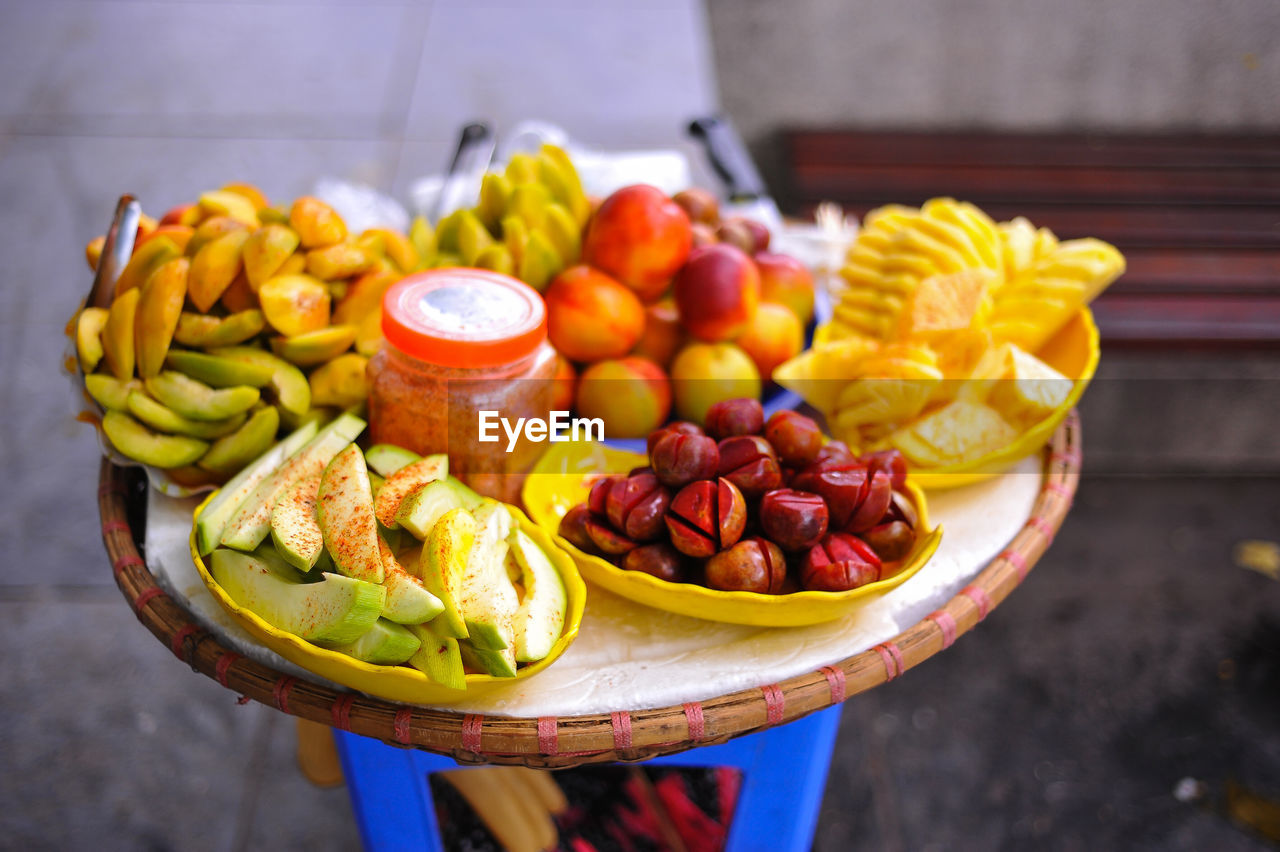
562,479
1073,351
401,683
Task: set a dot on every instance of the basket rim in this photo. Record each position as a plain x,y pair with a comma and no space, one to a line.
559,742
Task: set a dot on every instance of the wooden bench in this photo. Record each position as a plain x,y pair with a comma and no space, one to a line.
1197,216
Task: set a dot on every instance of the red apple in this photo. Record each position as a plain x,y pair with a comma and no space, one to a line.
640,237
717,292
787,281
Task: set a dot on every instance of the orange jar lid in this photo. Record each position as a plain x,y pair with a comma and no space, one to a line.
459,317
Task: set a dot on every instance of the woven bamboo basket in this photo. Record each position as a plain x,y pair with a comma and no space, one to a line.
560,742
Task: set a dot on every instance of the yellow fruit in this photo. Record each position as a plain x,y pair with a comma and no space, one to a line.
341,260
89,337
239,296
819,374
423,238
557,173
249,191
495,193
398,248
1031,309
896,385
498,258
315,347
266,250
521,168
210,229
363,296
369,333
294,304
529,201
563,232
146,260
214,267
93,252
540,262
317,223
958,431
341,382
201,331
231,204
117,334
947,303
703,374
1027,389
159,308
473,237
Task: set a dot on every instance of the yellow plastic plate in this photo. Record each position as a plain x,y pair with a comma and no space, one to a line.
401,683
562,479
1073,351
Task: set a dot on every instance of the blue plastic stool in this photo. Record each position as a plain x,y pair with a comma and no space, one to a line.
784,774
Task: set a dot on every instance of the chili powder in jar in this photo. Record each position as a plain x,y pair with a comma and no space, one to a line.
458,342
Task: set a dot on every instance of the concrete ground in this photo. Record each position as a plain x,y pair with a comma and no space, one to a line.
1137,655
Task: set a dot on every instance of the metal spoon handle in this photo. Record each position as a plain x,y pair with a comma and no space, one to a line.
116,251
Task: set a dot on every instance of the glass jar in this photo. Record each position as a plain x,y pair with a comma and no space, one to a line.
460,343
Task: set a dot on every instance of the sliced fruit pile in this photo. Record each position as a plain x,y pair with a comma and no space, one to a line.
528,222
231,321
382,556
930,349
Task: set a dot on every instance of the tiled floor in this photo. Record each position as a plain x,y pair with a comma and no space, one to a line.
1065,720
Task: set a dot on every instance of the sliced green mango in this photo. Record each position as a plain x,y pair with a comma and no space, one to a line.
202,331
249,526
386,644
89,337
294,527
109,392
488,601
213,518
288,385
408,601
499,662
141,444
404,482
315,347
218,372
540,619
338,609
438,656
345,511
232,452
198,401
420,510
443,564
386,459
163,419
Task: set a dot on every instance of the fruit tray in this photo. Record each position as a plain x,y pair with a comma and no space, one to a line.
625,733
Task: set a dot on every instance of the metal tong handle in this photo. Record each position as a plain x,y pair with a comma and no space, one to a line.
729,157
476,144
116,251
